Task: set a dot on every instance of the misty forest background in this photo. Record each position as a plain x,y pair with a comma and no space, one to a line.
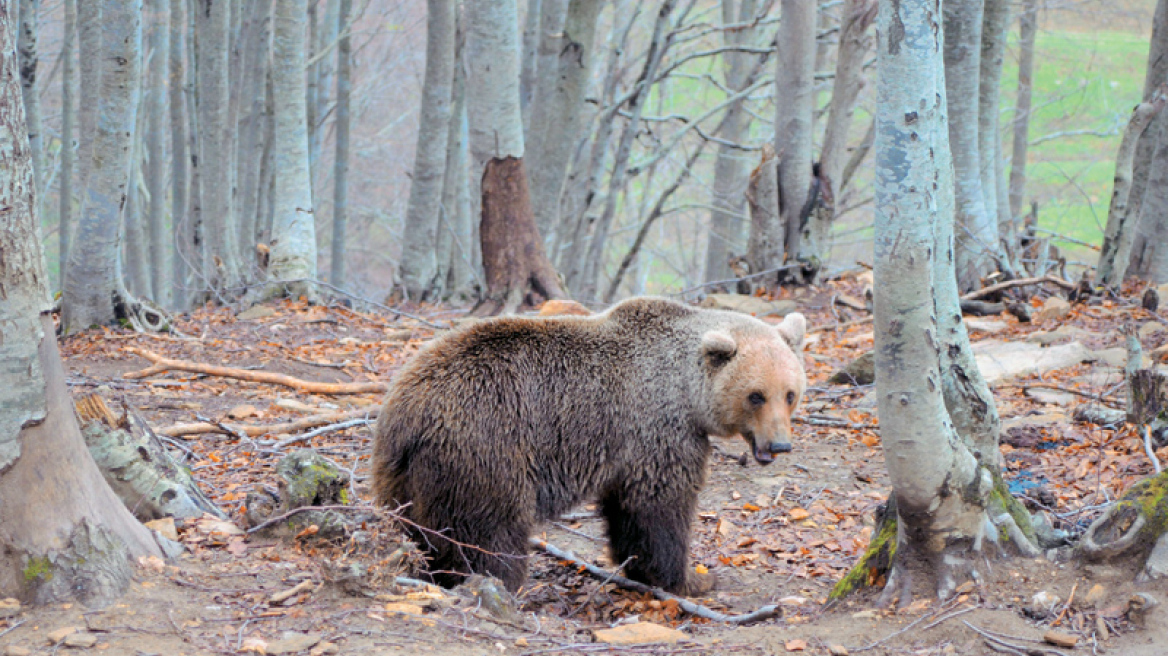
639,188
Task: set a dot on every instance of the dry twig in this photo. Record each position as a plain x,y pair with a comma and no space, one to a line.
162,364
314,421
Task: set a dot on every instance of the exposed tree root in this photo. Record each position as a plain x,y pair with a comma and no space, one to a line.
889,560
764,613
314,421
1018,282
1134,527
162,364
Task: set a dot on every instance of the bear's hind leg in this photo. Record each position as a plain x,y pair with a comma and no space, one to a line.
656,538
500,551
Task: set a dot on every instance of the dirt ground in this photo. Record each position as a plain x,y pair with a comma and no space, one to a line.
782,534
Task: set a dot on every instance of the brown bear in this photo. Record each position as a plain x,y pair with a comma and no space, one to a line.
509,422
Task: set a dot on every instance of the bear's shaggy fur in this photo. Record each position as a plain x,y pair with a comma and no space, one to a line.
509,422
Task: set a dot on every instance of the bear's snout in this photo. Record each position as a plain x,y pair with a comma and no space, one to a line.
764,452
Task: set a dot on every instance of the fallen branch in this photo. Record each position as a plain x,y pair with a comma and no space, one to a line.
1020,282
315,421
853,322
764,613
162,364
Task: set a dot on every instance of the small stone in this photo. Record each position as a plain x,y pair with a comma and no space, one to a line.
641,633
1094,596
80,640
1156,567
521,642
1151,300
1049,396
293,642
13,650
255,312
988,326
861,371
868,614
165,527
1059,639
242,412
9,607
1053,309
491,593
57,636
837,650
325,648
403,607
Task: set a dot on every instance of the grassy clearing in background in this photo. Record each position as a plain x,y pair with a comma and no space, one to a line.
1085,86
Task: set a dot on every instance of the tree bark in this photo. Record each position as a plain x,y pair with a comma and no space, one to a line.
940,490
293,253
727,224
68,152
557,110
529,62
419,261
976,230
1028,29
182,235
995,19
794,86
156,148
321,73
1147,152
257,52
89,28
514,261
27,48
63,534
766,247
1119,234
94,293
455,233
216,145
342,125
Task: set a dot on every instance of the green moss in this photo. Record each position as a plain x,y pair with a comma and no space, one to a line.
344,496
875,562
1001,499
38,568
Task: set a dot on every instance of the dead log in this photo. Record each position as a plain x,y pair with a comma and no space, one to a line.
138,467
162,364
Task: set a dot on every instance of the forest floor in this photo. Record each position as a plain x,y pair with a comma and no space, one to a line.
782,534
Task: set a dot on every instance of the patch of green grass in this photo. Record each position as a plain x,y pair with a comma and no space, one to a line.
1085,86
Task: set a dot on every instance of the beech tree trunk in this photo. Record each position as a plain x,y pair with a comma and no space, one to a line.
293,252
794,86
256,53
728,226
765,249
419,262
976,228
1028,29
1118,236
30,91
181,228
456,230
995,19
68,145
216,144
940,491
94,293
1148,154
557,110
156,149
514,261
341,165
63,533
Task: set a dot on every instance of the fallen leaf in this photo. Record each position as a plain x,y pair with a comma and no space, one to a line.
795,645
798,514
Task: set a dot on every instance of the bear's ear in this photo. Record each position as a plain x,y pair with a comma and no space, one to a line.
793,329
718,346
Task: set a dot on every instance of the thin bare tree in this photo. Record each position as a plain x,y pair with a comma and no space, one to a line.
1028,30
419,262
293,250
181,227
68,145
794,123
342,128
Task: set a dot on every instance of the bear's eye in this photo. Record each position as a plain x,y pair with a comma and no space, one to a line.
790,398
757,399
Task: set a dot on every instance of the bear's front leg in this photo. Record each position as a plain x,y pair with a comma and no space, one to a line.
656,538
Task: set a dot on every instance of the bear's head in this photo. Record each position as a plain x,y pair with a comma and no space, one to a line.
757,381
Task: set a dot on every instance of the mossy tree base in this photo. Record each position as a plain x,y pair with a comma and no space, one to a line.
1132,527
888,560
